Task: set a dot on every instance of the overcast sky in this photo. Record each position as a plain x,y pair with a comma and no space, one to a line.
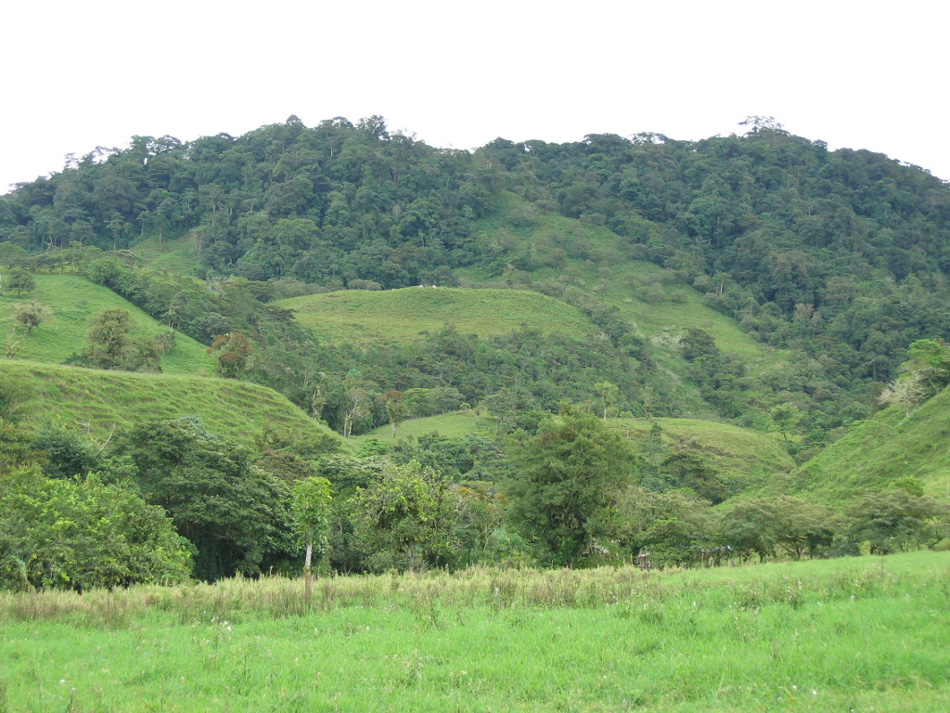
854,74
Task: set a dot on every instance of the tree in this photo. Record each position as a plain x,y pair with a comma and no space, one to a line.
608,395
567,476
785,418
21,281
109,346
234,513
395,405
310,510
896,520
233,352
404,519
29,315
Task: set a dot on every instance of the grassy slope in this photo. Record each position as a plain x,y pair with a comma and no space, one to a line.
595,261
177,255
742,458
99,400
74,302
876,452
399,316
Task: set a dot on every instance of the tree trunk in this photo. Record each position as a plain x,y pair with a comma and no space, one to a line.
308,572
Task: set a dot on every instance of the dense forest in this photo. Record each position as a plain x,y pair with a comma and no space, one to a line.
829,265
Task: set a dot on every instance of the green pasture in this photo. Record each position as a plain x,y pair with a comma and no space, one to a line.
399,316
875,453
457,423
100,401
74,302
863,634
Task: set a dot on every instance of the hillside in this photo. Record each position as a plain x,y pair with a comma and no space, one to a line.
741,457
363,317
876,452
73,302
99,401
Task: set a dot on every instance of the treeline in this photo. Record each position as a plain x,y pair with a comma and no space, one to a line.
166,501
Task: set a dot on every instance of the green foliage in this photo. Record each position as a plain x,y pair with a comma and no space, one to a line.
233,352
233,513
897,521
567,475
76,534
404,519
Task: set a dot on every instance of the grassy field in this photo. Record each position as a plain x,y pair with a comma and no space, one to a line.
98,401
743,458
865,635
878,451
457,423
399,316
73,302
178,255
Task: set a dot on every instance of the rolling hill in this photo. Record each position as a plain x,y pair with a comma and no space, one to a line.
97,402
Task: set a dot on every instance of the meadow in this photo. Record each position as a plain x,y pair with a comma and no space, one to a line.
365,317
858,634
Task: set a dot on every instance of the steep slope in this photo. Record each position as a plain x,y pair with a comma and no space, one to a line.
876,452
73,302
101,401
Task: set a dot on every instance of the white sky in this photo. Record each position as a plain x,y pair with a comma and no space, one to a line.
857,74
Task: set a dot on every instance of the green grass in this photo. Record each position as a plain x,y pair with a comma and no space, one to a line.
74,302
400,316
177,255
874,453
457,423
743,458
100,401
826,636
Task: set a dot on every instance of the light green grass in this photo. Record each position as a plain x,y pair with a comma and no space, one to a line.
457,423
178,255
399,316
876,452
743,458
100,401
74,302
850,635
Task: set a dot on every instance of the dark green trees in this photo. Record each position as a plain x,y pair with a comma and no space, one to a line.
569,473
232,512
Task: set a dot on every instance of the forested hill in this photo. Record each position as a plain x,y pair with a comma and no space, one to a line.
841,256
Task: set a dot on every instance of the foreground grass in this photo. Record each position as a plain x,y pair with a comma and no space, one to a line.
858,634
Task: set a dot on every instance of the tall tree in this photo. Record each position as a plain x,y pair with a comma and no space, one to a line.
567,475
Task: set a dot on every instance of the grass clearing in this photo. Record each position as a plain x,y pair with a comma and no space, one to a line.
457,423
366,317
861,634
